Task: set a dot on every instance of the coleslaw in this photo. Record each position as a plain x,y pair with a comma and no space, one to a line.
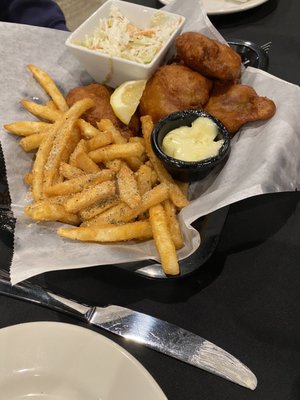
116,36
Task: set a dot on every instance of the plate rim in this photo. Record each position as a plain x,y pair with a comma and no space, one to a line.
222,11
46,329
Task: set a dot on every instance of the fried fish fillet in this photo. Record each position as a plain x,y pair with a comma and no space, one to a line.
237,104
100,94
209,57
172,88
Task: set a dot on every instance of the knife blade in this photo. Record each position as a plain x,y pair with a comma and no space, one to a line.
144,329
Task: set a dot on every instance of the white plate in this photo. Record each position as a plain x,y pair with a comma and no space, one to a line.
57,361
217,7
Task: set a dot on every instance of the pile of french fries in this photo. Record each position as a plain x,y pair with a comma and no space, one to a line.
107,187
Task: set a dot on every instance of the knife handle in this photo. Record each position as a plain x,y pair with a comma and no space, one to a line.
36,294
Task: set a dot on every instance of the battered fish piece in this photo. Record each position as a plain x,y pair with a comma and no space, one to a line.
173,88
101,96
237,104
209,57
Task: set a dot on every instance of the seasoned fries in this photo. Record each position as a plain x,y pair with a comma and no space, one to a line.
32,142
50,87
26,128
113,151
172,221
127,185
143,177
124,213
75,185
140,230
163,240
41,111
68,171
40,161
90,196
51,212
106,187
64,140
99,140
86,164
88,131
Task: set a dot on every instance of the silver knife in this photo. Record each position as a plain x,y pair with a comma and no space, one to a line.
151,332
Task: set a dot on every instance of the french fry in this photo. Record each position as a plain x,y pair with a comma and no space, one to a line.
49,86
32,142
76,185
120,213
79,108
80,148
163,240
26,128
51,104
65,140
69,171
60,199
123,213
86,164
173,223
40,161
176,194
107,125
154,196
114,165
98,208
154,178
51,212
89,196
41,111
139,139
134,163
88,131
100,140
127,185
184,187
139,230
63,144
135,139
143,177
113,151
28,178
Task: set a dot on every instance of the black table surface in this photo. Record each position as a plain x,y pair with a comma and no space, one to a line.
246,297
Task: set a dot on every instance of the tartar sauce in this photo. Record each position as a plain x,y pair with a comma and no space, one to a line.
193,143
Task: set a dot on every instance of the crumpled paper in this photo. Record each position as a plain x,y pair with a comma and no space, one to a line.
265,156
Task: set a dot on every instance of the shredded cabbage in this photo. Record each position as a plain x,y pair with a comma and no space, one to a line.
116,36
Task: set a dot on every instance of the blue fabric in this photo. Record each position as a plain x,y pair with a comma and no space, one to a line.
33,12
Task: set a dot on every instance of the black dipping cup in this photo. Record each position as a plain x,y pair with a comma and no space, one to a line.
188,171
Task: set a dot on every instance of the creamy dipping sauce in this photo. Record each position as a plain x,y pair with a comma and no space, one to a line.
193,143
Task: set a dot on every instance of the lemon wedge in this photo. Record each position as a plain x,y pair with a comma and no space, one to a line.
125,99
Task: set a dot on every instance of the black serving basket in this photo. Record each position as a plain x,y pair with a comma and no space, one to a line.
251,54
